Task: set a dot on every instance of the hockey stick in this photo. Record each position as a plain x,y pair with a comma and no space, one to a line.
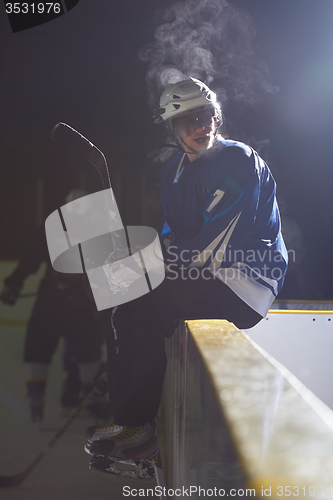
16,479
70,138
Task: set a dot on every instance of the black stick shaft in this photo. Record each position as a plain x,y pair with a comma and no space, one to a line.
71,139
80,145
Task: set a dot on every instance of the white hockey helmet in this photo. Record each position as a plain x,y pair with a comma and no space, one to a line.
182,97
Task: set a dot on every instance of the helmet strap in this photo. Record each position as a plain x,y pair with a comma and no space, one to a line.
182,144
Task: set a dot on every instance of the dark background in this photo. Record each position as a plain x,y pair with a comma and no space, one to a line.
83,68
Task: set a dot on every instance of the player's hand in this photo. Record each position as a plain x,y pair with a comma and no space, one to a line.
120,278
119,273
9,295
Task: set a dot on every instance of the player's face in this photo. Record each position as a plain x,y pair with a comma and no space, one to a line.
196,131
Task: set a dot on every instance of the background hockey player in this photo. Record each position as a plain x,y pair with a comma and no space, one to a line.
63,308
225,259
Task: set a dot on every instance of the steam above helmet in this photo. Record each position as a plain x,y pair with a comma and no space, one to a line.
182,97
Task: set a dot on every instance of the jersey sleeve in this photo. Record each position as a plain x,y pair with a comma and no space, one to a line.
167,236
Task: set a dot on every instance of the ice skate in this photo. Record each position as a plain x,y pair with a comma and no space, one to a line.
131,453
95,433
136,468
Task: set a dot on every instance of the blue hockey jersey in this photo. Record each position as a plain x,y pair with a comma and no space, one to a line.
222,213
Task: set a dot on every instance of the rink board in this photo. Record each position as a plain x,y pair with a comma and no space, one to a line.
235,419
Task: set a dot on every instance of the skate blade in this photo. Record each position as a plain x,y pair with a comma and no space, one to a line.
137,469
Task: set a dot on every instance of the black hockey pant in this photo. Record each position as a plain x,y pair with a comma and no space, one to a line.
135,334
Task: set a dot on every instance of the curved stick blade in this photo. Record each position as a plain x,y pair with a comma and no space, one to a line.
70,138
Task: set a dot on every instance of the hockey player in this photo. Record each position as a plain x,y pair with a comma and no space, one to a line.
63,308
225,258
